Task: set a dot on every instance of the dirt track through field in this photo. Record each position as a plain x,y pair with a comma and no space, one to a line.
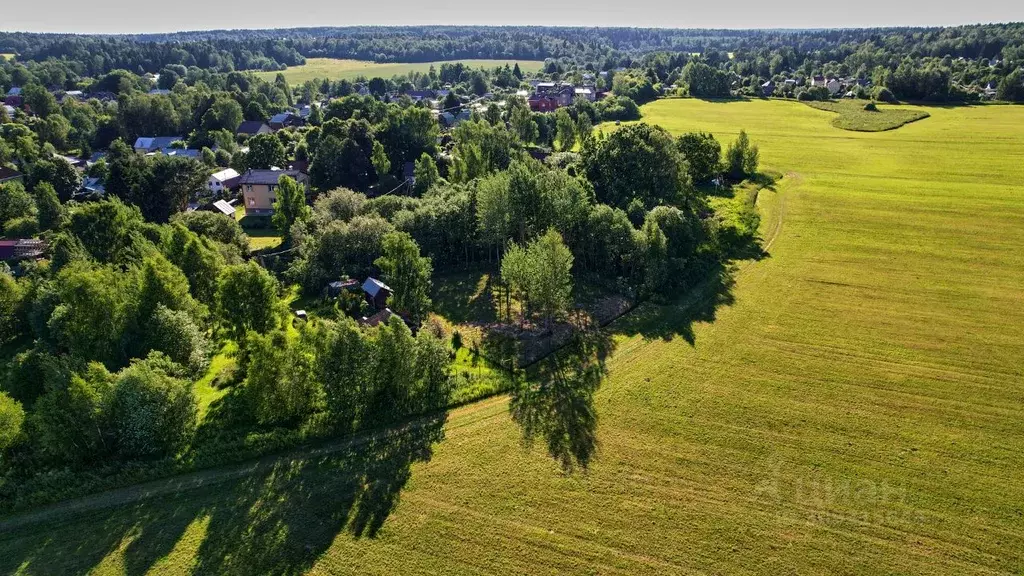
204,479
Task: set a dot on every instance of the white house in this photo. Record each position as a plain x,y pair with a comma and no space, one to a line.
833,86
223,180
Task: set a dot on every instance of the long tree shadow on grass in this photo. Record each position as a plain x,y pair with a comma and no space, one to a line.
554,403
676,317
281,521
275,517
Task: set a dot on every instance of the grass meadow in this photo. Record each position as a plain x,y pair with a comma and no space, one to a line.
338,69
853,402
853,115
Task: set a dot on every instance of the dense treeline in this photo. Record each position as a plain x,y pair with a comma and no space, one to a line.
754,52
124,316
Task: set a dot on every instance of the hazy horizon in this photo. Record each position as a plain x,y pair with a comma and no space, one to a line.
64,16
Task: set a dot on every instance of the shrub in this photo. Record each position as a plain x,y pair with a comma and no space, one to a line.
870,107
883,94
176,334
153,411
11,418
23,227
617,108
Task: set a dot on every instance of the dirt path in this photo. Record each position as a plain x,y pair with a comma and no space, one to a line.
460,417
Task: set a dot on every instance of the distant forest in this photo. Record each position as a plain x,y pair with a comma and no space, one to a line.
604,48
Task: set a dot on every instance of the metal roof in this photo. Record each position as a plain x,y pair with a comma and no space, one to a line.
372,286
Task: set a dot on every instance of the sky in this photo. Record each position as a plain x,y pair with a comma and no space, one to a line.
124,16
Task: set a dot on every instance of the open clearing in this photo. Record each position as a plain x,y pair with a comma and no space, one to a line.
855,404
338,69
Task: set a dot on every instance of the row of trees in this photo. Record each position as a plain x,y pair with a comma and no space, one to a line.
358,378
126,313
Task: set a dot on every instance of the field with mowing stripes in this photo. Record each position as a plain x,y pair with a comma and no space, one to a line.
851,403
337,69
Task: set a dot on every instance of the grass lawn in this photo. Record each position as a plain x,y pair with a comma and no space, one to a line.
210,388
259,238
337,69
7,55
851,115
465,297
857,407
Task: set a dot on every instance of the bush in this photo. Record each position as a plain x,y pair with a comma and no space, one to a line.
883,94
870,107
11,418
174,333
23,227
153,410
215,227
617,108
252,222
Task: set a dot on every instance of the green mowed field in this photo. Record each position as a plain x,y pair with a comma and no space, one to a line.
851,403
337,69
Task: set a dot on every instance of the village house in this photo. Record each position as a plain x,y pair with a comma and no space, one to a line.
549,96
336,288
285,120
259,188
10,175
834,86
13,97
91,186
377,293
586,93
221,182
75,161
21,249
96,157
418,95
818,81
768,88
449,120
252,128
63,96
181,153
222,207
146,145
382,317
542,103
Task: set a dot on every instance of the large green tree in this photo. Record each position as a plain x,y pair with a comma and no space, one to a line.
639,161
290,205
265,150
408,275
565,130
247,299
703,155
153,411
